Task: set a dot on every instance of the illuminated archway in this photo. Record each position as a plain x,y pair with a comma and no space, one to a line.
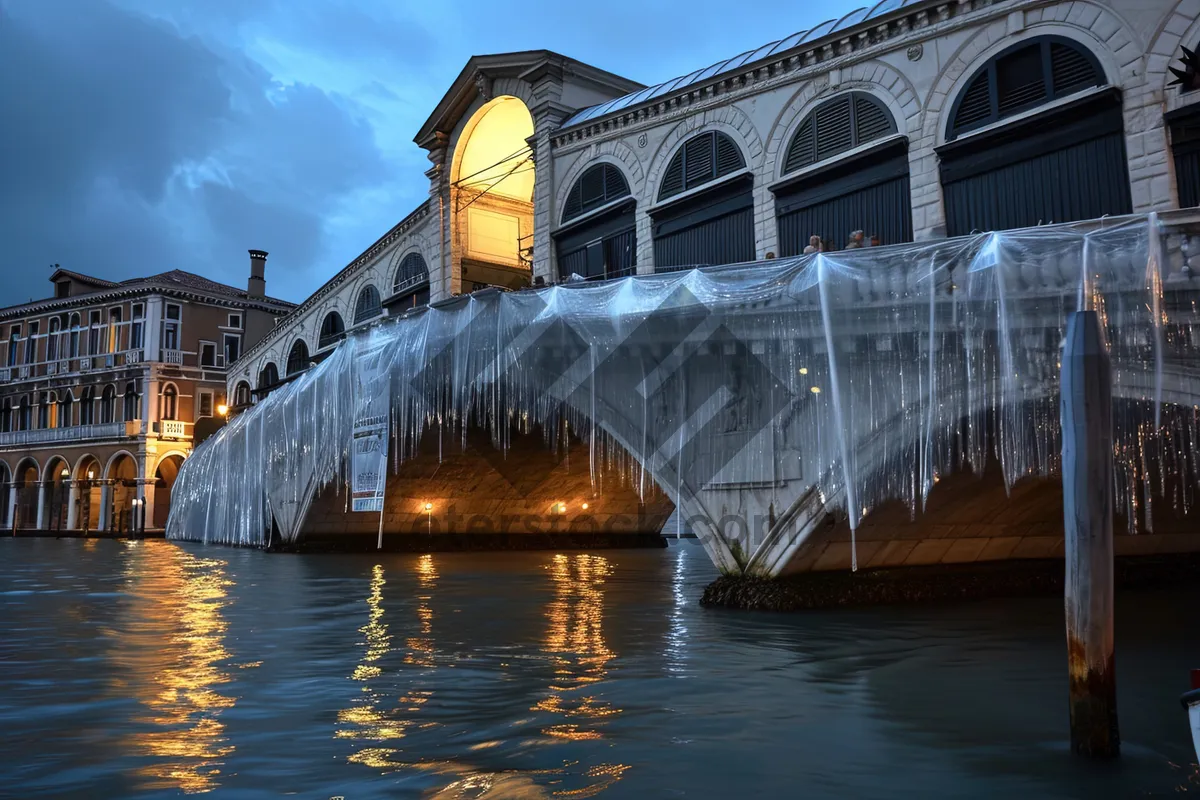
491,180
164,480
121,473
58,494
89,492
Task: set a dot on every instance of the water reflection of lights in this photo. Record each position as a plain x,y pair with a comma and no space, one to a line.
369,721
677,631
575,643
170,659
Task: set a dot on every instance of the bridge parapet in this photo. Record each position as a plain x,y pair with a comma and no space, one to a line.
760,397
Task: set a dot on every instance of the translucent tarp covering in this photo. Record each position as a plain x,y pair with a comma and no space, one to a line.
866,373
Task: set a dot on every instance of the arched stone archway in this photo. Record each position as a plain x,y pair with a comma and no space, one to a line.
165,474
120,490
88,478
58,495
24,509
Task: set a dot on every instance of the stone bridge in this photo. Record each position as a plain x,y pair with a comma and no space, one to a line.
798,412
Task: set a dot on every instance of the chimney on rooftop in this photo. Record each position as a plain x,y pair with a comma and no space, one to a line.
256,287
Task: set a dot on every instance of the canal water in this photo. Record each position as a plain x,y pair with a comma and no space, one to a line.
153,669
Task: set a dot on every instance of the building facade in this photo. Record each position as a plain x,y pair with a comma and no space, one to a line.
910,119
104,388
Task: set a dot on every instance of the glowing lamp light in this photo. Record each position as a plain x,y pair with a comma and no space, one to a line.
815,390
584,506
91,474
429,506
64,473
804,370
222,409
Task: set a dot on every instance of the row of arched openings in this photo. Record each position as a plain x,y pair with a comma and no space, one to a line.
52,409
846,170
410,288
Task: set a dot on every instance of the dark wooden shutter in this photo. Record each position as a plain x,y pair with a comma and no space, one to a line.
673,179
803,150
871,120
698,161
834,131
599,184
1020,81
1024,77
615,185
1185,147
729,157
1071,70
369,304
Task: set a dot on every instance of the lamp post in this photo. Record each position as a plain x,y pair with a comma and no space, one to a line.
133,516
58,524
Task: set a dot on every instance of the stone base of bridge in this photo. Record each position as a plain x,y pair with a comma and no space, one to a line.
475,497
971,519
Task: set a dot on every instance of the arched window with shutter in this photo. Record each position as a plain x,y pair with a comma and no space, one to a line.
837,125
410,284
297,357
704,227
332,330
1028,171
601,244
849,172
599,185
701,160
1022,77
369,304
411,273
241,395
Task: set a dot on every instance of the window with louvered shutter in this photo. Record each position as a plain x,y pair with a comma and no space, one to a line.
369,304
702,159
836,126
332,329
1023,77
411,272
598,185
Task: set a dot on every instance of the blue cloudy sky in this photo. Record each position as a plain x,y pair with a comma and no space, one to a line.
138,136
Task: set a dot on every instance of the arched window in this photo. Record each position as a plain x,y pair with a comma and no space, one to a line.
241,395
1022,77
838,125
411,273
131,403
66,411
1063,163
268,377
598,186
702,159
52,339
169,403
332,329
43,411
114,329
26,413
87,407
369,304
6,416
866,191
74,350
297,357
108,405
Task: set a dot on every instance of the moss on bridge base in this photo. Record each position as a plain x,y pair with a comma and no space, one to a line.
938,583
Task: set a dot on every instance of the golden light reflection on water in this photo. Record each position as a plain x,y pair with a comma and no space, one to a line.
373,718
575,643
170,658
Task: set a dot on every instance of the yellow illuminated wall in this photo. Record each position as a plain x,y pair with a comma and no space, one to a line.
495,155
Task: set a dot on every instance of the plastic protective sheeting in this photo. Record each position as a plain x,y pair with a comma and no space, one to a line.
866,373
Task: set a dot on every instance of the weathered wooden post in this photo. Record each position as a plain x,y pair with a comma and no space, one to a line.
1086,411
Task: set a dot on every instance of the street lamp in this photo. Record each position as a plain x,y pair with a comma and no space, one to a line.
222,409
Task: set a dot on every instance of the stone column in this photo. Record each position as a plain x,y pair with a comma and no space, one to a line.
11,505
73,506
41,509
440,271
106,492
146,492
548,112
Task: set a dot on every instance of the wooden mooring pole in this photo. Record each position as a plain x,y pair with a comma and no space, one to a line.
1086,411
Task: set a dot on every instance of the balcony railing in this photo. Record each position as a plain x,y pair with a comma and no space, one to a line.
172,357
75,433
174,429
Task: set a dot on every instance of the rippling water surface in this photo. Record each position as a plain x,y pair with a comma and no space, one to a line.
151,669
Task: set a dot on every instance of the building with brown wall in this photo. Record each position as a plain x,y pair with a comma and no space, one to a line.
105,387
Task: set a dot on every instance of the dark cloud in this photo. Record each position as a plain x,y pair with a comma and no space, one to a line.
130,147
